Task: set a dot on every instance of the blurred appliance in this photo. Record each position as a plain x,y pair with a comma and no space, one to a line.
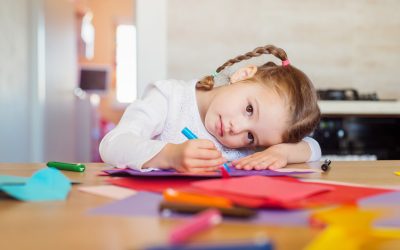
95,78
357,137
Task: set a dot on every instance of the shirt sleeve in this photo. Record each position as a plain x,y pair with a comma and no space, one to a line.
315,149
130,143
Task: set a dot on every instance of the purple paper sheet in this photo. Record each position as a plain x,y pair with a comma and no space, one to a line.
390,202
234,173
385,199
146,204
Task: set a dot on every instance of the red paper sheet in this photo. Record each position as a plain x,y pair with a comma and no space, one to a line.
263,187
155,184
339,195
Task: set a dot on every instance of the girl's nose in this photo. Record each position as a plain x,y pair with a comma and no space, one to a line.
236,127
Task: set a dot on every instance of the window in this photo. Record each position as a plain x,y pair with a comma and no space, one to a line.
126,80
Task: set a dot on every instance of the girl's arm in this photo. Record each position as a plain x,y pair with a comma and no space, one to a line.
278,156
129,144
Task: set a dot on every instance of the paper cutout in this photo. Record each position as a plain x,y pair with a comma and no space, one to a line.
263,187
45,185
233,173
12,180
109,191
351,228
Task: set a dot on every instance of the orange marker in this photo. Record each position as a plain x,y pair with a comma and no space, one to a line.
172,195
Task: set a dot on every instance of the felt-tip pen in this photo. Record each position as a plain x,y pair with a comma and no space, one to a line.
76,167
191,136
326,165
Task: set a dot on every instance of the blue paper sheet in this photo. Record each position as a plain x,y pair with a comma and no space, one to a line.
46,184
12,180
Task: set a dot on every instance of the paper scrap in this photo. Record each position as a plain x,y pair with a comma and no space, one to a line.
110,191
45,185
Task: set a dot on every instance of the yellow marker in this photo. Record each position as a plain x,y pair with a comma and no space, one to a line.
397,173
172,195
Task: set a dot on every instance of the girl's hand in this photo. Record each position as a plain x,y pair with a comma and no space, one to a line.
195,156
273,157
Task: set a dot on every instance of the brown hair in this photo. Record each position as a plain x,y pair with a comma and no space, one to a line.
289,82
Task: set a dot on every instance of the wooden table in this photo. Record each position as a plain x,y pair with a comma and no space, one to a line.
66,224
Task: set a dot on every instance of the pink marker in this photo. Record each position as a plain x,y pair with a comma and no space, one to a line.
201,222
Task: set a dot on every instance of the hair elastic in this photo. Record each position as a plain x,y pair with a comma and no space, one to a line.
285,62
214,74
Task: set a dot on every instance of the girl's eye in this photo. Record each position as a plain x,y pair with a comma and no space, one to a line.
249,109
250,137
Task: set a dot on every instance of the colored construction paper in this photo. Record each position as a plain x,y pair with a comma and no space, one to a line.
351,227
45,185
109,191
385,199
388,202
146,204
263,187
233,173
12,180
140,204
156,184
342,194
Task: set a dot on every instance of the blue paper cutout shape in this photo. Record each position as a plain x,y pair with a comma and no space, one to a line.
47,184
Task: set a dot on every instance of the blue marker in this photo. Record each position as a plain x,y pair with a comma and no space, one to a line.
189,134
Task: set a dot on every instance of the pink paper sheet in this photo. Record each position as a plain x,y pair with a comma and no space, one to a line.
263,187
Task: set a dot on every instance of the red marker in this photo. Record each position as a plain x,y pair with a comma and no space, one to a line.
201,222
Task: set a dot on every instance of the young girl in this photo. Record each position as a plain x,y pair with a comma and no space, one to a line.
258,120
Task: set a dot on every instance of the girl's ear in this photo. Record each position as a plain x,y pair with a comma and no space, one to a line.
244,73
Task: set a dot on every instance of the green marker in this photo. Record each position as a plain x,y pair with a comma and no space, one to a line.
78,167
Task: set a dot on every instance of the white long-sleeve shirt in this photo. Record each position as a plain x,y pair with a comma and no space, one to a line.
156,119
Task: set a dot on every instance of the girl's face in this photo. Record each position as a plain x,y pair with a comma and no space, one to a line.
246,115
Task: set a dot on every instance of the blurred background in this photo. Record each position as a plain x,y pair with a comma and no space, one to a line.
68,68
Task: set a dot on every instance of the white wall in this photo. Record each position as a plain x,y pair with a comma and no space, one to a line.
37,78
61,76
151,21
337,43
14,81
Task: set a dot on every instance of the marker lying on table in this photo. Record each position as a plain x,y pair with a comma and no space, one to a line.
189,134
199,223
76,167
326,165
173,195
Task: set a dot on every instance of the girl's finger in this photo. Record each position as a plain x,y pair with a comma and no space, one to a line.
205,144
201,163
251,161
207,154
243,161
203,169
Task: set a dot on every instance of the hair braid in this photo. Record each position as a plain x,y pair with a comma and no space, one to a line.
207,82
